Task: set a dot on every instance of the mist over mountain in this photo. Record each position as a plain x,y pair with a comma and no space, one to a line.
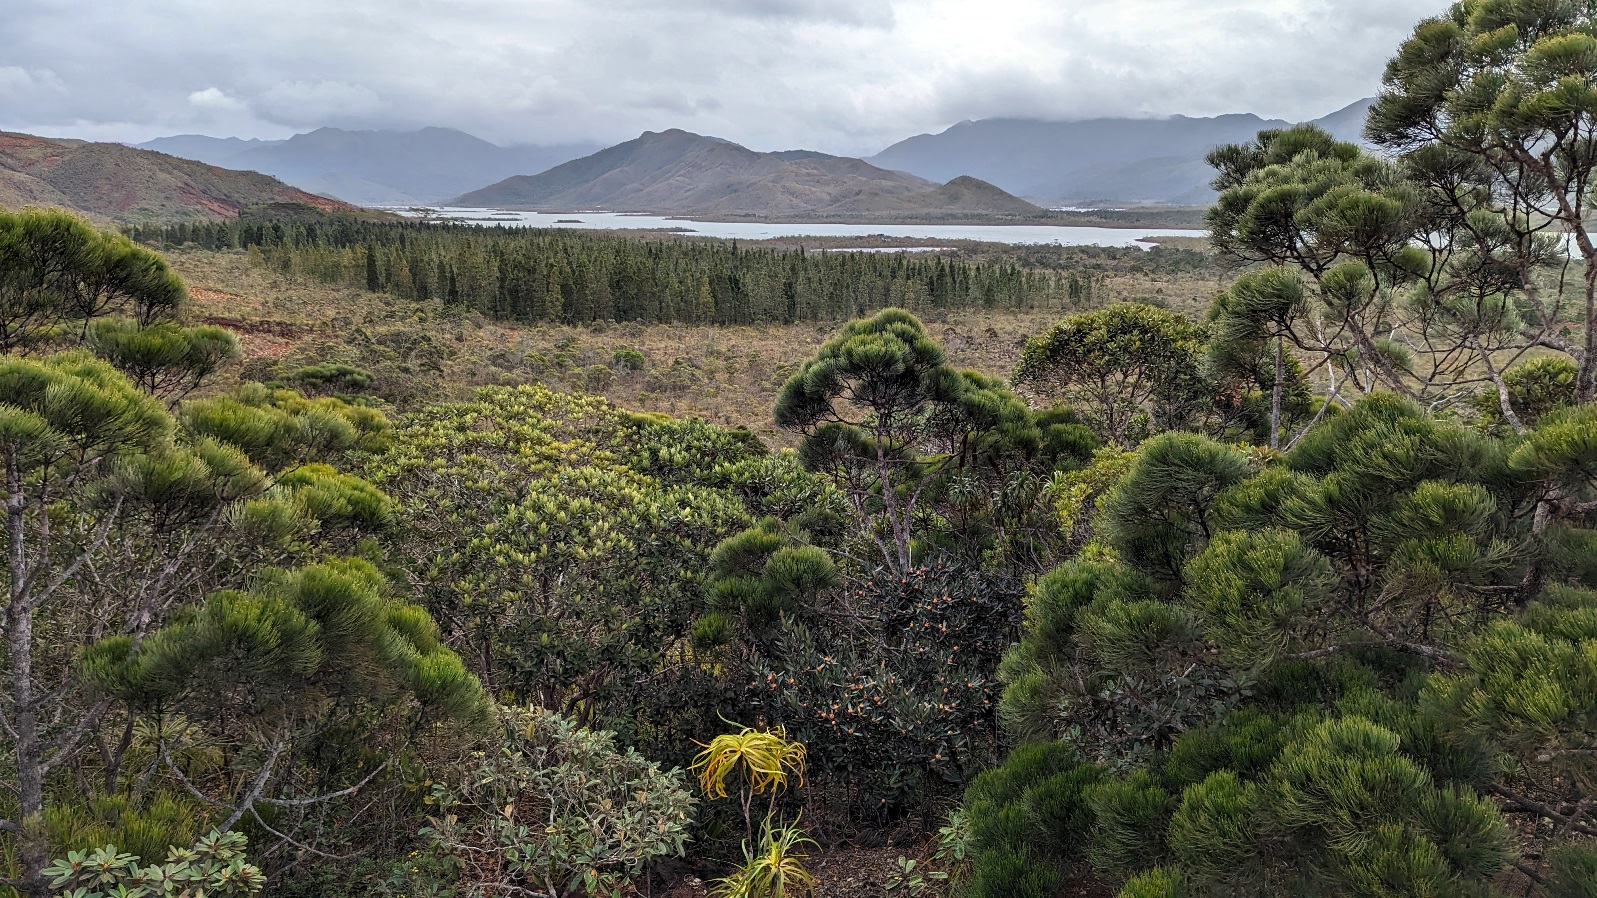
678,172
1113,160
374,167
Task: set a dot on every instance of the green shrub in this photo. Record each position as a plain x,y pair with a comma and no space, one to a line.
214,866
1008,874
1213,831
1335,666
557,808
1574,872
1128,815
1156,883
1536,389
333,377
1059,811
143,829
597,377
627,360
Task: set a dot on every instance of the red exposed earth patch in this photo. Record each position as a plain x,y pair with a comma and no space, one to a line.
123,183
257,339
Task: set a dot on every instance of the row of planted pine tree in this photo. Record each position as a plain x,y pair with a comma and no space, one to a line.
576,277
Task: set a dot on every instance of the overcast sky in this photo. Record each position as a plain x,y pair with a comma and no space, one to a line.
844,76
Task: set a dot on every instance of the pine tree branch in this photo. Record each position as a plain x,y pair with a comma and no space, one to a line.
65,746
294,842
1530,873
1526,804
101,532
1441,656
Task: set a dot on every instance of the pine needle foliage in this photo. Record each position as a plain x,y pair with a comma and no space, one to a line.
1339,670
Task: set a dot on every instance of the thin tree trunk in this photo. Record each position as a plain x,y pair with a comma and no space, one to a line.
1504,401
1586,382
1275,394
32,850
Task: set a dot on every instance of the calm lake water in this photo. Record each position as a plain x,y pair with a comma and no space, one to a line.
748,230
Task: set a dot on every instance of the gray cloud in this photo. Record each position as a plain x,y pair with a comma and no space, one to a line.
846,76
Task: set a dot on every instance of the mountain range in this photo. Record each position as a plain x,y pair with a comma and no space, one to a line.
115,183
1095,161
985,169
375,168
677,172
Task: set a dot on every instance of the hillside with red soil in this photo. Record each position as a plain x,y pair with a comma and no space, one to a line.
113,182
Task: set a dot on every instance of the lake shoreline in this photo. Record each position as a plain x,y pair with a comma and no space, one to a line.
906,233
1176,218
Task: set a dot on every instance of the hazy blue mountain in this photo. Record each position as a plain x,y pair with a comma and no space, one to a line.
1347,123
375,167
679,172
1095,161
199,148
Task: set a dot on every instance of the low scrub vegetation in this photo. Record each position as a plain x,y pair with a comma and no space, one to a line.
1296,596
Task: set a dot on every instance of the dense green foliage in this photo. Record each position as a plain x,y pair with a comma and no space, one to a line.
1296,600
928,455
214,866
141,618
562,542
185,641
1332,674
551,276
1489,107
63,282
1130,370
60,274
558,809
1377,282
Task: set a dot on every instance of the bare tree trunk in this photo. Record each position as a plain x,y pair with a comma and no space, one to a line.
1275,395
1504,401
32,850
895,515
1586,382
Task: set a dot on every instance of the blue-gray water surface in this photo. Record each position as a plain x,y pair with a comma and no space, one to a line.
751,230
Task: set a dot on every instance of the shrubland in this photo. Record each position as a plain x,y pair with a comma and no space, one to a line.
417,351
351,588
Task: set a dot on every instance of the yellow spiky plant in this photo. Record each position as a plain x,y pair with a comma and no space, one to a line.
776,870
762,761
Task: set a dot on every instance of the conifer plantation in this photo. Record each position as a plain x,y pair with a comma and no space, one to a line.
1294,597
553,276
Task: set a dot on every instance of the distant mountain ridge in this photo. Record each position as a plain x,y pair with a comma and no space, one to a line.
374,167
112,182
1094,161
678,172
